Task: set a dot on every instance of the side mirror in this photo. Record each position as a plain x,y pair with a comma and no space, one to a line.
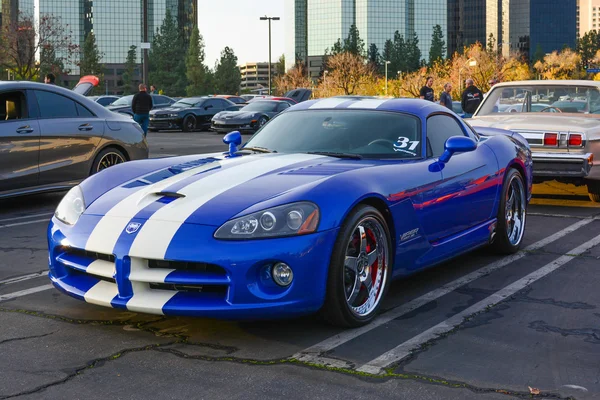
457,144
233,139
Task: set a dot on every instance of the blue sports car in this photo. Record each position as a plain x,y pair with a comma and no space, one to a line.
317,212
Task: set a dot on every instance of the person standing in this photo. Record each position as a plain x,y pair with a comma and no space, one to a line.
471,98
49,79
427,91
141,106
446,97
153,89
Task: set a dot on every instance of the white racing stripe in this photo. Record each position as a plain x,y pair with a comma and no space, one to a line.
156,234
101,293
101,268
368,103
140,272
312,353
329,103
148,301
25,292
404,350
105,235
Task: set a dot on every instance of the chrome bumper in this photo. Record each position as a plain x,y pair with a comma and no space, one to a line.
557,165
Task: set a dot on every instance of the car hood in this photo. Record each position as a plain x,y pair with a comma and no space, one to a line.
212,190
538,121
169,110
236,115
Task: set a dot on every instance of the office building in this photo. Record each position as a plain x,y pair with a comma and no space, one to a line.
588,16
532,25
255,76
317,24
467,23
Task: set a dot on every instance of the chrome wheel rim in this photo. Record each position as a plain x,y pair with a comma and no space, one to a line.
262,121
515,210
366,266
108,160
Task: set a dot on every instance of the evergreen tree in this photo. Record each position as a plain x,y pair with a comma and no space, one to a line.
194,64
227,73
129,81
438,45
388,55
374,57
587,46
539,54
400,53
413,53
90,62
281,65
336,49
50,63
353,43
491,44
167,59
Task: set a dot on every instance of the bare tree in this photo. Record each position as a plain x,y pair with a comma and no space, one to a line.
24,40
296,77
348,72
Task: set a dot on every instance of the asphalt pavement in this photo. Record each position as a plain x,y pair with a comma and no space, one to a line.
479,327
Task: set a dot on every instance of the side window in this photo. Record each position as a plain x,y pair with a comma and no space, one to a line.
282,106
161,100
439,129
211,103
13,105
54,105
83,112
223,104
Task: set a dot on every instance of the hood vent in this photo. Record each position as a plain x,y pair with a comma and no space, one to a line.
326,169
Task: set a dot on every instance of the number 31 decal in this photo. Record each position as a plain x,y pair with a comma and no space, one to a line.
403,143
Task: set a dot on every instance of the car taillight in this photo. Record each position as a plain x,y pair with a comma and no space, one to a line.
551,139
575,140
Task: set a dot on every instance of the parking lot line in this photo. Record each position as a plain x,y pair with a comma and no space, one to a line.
26,217
311,354
4,297
23,278
404,350
24,223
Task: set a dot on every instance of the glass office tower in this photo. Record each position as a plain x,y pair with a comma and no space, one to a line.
466,24
328,21
295,17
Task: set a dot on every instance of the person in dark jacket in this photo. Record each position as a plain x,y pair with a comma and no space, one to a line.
471,98
141,106
49,79
426,91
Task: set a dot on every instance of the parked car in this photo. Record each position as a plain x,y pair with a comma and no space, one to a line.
105,100
233,99
277,98
320,210
189,114
123,105
299,95
250,118
564,134
51,138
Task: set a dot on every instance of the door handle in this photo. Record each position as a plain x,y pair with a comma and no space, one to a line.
25,129
85,127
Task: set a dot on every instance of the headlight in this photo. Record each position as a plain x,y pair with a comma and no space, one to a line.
287,220
71,207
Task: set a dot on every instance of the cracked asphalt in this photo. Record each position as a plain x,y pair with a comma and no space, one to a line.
544,335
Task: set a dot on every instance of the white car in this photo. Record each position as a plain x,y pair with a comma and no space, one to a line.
560,120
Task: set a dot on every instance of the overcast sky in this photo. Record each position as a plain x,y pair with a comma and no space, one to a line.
235,23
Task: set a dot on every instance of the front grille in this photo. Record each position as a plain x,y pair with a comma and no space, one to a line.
186,266
91,254
220,290
76,272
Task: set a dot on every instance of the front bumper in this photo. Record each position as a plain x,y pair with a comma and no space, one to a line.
165,123
226,127
562,166
209,278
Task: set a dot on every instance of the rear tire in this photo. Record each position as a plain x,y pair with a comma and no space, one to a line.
593,188
359,270
512,213
107,158
189,123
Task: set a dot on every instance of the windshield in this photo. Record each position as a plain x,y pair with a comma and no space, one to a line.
541,98
374,134
185,103
123,101
263,106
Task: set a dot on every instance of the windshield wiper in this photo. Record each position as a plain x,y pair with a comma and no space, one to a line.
259,149
336,154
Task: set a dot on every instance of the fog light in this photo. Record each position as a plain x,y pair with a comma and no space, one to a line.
282,274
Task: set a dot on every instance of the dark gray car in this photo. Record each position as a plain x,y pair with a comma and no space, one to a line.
51,138
250,118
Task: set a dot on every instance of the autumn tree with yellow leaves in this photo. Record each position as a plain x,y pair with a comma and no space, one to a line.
296,77
560,65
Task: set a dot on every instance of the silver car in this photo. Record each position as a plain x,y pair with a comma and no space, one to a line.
51,138
560,120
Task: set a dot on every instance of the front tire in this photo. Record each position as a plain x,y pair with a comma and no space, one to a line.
512,213
359,270
189,123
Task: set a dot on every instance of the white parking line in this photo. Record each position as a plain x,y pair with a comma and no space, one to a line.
26,217
312,353
4,297
23,278
25,223
403,350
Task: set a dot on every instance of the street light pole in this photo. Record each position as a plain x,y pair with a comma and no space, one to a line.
265,18
386,64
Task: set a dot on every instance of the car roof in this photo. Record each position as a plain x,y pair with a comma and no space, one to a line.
412,106
566,82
